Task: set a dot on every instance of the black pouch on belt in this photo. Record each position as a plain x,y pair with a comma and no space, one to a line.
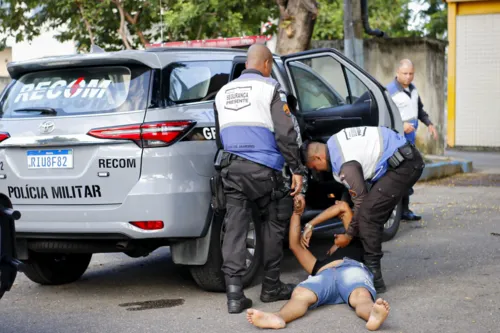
396,159
407,151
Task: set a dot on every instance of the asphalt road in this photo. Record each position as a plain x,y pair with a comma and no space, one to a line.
442,273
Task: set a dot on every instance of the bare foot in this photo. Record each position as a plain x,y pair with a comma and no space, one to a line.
379,313
264,319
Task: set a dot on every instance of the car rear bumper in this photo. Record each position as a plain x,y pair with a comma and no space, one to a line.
183,214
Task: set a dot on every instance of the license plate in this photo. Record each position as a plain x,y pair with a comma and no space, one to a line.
50,159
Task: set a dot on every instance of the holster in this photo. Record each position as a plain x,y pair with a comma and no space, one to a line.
218,199
284,201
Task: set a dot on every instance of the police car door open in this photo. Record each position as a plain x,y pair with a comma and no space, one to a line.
330,86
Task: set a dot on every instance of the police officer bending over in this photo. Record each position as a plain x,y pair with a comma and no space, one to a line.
385,159
255,129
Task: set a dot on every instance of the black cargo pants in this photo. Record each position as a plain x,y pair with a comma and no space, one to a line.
248,184
380,201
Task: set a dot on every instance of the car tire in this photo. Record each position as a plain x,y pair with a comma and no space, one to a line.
210,277
56,268
391,227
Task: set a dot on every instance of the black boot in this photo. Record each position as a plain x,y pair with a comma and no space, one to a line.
273,289
236,300
407,214
378,281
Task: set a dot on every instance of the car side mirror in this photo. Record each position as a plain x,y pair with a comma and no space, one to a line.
9,265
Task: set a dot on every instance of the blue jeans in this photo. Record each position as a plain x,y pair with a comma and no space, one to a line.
334,285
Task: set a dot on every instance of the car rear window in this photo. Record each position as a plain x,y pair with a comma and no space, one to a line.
196,81
77,91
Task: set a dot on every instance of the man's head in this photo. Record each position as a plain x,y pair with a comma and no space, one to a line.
260,58
315,154
405,72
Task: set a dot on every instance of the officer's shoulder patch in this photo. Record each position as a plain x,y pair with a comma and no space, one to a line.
283,96
286,109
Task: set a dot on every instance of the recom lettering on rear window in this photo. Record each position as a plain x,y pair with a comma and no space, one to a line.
61,89
77,91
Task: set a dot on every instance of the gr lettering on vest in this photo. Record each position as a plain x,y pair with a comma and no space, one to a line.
55,192
117,163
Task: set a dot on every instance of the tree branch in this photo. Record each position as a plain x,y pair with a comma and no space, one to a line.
121,30
87,23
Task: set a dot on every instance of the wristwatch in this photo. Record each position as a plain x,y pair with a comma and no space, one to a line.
309,226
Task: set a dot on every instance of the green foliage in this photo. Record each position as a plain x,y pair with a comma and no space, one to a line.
391,17
436,18
83,20
201,19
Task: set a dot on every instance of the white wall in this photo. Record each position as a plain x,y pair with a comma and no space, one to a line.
478,80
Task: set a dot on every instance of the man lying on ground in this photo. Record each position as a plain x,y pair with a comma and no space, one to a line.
339,278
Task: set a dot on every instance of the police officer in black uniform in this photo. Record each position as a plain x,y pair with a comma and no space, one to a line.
256,131
384,159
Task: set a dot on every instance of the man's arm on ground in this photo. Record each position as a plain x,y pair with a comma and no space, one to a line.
330,212
351,173
304,256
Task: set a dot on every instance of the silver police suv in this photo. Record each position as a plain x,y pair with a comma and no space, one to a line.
112,152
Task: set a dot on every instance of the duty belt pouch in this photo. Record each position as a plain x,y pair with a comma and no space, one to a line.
407,152
218,200
396,159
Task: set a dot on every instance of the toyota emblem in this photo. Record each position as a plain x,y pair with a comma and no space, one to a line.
47,127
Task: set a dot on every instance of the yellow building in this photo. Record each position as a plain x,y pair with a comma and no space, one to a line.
474,73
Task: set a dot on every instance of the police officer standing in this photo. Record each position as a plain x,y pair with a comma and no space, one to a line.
405,96
378,155
257,134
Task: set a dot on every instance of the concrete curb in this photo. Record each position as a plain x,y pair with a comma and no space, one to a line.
444,167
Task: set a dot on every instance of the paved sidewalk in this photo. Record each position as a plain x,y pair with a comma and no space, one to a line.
485,162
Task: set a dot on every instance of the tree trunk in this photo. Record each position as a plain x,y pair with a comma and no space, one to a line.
121,30
133,21
87,23
296,27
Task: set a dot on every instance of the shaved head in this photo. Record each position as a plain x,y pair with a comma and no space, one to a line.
315,155
260,58
405,63
405,73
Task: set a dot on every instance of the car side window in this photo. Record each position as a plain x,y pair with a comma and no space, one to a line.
195,81
322,82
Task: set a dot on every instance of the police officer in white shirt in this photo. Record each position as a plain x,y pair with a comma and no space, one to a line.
256,131
405,95
377,155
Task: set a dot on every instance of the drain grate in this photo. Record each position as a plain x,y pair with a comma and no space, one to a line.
469,179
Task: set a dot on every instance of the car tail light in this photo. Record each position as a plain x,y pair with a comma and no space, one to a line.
158,134
4,136
148,225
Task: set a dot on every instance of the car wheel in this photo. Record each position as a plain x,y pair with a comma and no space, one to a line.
391,227
56,268
210,276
